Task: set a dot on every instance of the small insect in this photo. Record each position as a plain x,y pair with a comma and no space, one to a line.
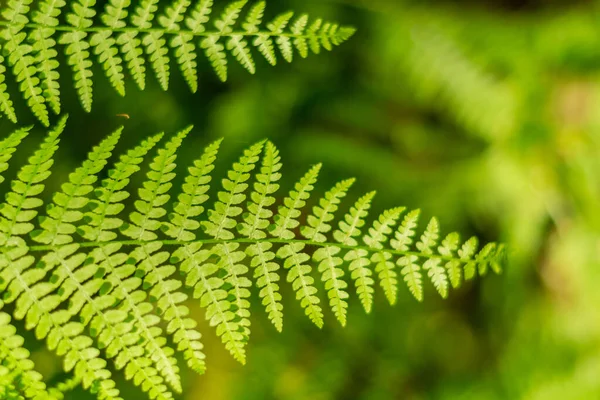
126,116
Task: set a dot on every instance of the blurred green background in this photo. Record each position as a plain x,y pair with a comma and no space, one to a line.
485,114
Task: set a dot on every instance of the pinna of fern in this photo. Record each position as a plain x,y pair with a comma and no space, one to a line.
127,38
101,286
16,369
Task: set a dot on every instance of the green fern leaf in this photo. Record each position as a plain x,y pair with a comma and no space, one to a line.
325,33
156,49
64,213
489,257
128,352
349,228
254,227
174,14
6,105
318,226
131,44
215,52
21,60
144,14
184,49
199,274
8,147
77,48
402,241
376,237
156,45
298,28
25,286
221,220
97,288
77,281
181,227
230,16
105,45
26,187
265,46
313,36
127,36
447,249
157,276
44,44
283,42
115,13
16,358
436,273
186,58
466,253
239,48
254,18
183,221
59,390
294,258
199,16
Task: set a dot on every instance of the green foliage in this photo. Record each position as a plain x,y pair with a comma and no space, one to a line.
30,38
97,284
487,116
16,368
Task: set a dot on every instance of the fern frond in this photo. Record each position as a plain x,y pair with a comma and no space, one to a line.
255,225
59,390
466,253
182,227
221,220
447,249
283,42
123,36
123,341
440,71
349,228
42,37
143,227
375,239
8,147
21,60
99,285
436,273
318,226
35,298
77,49
78,281
410,269
293,258
15,358
254,17
105,45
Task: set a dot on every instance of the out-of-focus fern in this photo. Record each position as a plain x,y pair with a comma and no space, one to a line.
441,72
124,35
16,369
98,285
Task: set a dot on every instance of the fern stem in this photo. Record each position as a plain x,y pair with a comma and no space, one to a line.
169,242
129,29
